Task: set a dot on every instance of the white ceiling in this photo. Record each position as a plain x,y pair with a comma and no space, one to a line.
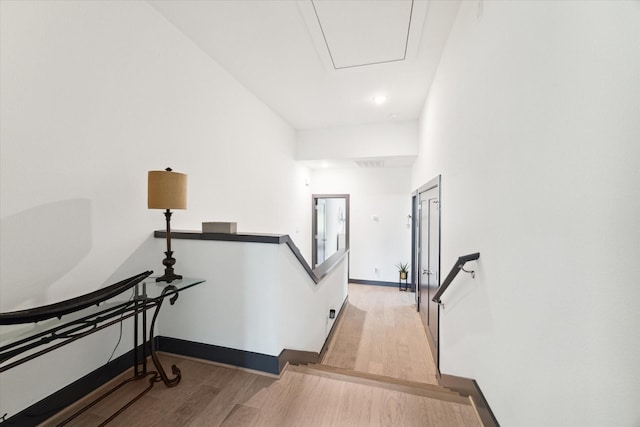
319,63
380,33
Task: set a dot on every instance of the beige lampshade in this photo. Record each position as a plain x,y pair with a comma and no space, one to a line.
167,190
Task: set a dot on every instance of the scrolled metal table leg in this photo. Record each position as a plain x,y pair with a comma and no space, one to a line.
169,382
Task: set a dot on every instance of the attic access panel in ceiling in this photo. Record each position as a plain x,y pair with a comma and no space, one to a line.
358,33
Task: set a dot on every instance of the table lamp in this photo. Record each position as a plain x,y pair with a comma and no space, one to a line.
167,190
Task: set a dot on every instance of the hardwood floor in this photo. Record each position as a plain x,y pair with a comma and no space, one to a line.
211,395
379,335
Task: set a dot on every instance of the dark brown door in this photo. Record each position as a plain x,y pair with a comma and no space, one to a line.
429,265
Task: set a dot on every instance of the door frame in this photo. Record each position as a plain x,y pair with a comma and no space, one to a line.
314,221
434,344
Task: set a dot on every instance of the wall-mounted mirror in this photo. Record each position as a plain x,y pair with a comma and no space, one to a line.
330,226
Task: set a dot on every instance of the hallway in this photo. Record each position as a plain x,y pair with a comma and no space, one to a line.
381,333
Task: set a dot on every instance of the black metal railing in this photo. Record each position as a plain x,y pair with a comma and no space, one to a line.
71,305
459,265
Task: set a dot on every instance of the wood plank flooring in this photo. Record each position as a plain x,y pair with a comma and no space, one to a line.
378,320
381,333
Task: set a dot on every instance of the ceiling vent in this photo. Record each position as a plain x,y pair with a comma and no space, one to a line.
369,163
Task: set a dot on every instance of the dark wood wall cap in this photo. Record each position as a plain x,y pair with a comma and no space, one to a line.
316,274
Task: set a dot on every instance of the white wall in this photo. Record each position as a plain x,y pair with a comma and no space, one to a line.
533,121
303,308
257,298
382,193
95,94
362,141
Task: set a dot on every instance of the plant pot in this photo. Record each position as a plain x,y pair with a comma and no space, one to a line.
403,275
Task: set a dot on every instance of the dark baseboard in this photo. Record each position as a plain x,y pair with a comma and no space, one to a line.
214,353
296,357
334,328
379,283
56,402
469,387
246,359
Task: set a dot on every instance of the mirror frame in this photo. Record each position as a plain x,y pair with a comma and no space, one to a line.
314,222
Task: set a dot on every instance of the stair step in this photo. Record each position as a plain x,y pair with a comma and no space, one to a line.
404,386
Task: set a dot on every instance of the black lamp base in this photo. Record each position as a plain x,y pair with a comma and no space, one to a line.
169,276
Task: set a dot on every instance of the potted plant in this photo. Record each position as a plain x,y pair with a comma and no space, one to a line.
403,269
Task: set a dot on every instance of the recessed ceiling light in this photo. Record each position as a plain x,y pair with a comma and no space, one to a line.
393,116
379,99
324,164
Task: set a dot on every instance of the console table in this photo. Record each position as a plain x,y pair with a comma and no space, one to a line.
28,334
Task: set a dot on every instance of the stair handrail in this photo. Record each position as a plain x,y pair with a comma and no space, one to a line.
453,273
